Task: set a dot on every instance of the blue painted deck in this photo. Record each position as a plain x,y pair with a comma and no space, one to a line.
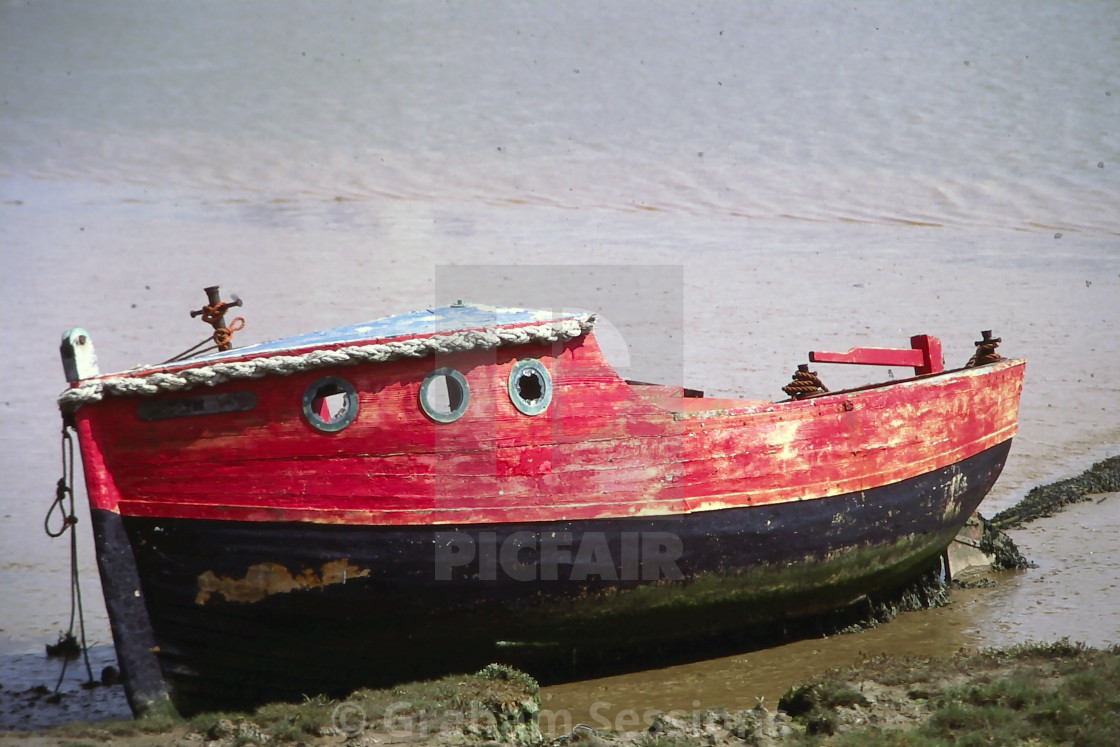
440,320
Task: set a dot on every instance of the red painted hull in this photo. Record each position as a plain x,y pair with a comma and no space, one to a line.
850,492
603,450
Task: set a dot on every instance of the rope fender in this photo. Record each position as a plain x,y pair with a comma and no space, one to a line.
286,365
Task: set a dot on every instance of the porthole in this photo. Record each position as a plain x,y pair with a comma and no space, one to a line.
530,387
330,404
444,395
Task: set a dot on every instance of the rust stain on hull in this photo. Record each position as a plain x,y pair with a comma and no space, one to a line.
265,579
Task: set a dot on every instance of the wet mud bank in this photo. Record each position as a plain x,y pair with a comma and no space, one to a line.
1057,693
996,547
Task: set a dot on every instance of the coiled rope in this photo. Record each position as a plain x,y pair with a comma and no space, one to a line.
805,382
285,365
985,350
224,335
64,504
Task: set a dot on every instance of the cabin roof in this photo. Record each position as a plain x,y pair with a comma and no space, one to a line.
426,322
456,328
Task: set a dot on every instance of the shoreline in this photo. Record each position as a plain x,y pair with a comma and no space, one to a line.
1055,692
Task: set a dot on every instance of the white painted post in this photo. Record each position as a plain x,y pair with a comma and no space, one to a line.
79,359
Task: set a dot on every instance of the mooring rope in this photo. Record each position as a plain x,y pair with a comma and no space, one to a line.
985,350
64,503
285,365
805,382
224,335
213,312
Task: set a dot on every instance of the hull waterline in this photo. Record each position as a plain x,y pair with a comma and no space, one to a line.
221,632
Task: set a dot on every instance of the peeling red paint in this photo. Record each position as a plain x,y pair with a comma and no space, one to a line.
602,449
265,579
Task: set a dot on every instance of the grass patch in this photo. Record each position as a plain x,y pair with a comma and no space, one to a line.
291,722
498,702
161,723
1058,693
81,730
821,695
662,740
1060,650
872,738
813,705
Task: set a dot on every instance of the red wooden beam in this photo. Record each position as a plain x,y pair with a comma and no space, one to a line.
872,357
924,356
930,346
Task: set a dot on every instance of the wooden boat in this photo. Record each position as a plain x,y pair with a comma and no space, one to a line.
438,490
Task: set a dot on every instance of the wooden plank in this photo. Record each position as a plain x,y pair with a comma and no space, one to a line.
871,357
924,356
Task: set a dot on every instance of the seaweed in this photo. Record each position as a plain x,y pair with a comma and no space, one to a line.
1047,500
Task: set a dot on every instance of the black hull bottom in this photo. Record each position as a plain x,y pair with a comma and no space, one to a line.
249,612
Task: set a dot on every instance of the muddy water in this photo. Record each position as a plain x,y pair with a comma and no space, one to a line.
816,175
1072,593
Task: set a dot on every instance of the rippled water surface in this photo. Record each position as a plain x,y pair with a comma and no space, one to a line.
823,175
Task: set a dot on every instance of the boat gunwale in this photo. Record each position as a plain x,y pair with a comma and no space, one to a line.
148,369
751,407
736,406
